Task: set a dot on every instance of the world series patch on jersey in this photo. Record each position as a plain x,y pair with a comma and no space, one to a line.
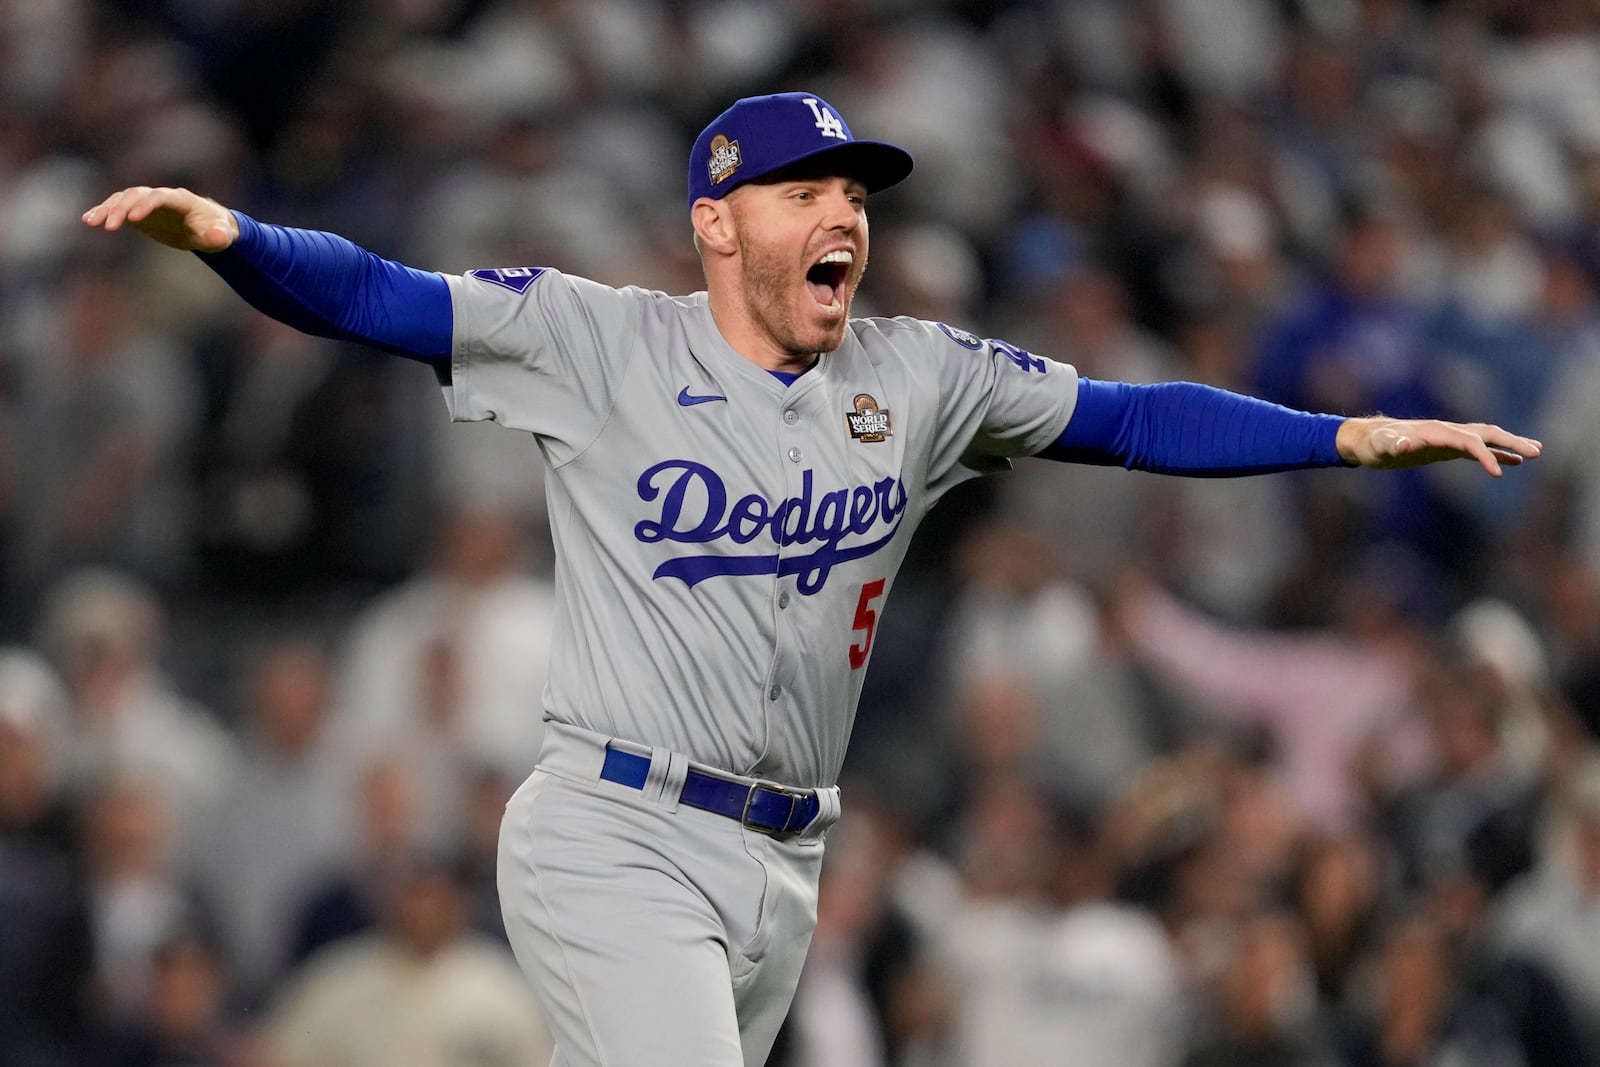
868,422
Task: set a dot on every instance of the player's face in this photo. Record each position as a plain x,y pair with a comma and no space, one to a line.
803,248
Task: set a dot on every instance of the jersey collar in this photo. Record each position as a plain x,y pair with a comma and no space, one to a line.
707,342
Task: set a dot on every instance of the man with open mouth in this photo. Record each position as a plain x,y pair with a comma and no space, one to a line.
734,477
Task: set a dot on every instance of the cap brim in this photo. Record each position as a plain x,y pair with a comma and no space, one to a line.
876,164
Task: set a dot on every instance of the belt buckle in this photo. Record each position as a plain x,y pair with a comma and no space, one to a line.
795,797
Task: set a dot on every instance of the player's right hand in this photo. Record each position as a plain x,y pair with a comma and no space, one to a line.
177,218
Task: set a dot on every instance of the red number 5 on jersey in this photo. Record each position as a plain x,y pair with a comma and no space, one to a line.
866,619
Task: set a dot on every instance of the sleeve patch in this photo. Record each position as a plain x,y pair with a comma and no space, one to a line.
517,279
960,337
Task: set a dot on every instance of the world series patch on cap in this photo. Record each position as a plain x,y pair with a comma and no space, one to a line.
759,135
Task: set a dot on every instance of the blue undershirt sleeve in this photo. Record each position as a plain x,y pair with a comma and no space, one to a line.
322,284
1194,430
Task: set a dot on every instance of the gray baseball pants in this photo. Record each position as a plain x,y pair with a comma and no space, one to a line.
653,933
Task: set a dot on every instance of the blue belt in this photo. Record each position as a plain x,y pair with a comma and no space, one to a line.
765,807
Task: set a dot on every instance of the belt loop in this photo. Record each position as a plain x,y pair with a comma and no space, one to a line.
829,807
674,769
656,777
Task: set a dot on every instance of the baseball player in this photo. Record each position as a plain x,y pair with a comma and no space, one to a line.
733,479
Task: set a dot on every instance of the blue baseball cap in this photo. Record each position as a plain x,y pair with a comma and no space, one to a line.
762,134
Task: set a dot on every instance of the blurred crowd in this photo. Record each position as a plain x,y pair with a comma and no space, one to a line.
1150,772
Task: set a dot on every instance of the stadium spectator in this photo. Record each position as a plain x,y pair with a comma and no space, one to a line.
139,891
1552,914
104,632
450,665
347,900
46,951
281,823
419,989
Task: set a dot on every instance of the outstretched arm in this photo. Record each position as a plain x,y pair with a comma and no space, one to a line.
1196,430
316,282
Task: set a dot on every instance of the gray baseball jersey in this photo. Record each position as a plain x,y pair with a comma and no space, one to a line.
725,543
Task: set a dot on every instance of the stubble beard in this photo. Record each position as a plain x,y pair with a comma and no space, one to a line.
770,289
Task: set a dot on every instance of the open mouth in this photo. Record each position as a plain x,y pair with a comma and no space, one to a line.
826,279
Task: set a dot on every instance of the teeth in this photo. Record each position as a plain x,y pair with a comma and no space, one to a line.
844,255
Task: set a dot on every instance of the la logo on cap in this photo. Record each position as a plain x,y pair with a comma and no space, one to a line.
827,121
724,159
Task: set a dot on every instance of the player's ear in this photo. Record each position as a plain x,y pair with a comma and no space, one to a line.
713,225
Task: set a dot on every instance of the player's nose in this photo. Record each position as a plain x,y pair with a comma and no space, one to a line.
843,212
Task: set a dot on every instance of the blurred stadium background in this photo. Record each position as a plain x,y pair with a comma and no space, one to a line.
1298,770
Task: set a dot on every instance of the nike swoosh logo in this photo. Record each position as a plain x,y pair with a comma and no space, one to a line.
688,399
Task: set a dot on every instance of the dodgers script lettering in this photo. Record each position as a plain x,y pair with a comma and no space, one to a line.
695,510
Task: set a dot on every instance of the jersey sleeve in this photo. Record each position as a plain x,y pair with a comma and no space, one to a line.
996,402
325,285
1191,429
538,350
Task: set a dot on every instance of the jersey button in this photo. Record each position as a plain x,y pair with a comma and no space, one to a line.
774,693
796,455
791,416
783,600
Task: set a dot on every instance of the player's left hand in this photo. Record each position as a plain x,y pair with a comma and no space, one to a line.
1388,444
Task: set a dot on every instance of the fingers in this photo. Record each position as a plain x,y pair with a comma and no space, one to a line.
1510,443
1507,459
1494,448
132,205
1472,442
1457,440
111,212
1484,455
